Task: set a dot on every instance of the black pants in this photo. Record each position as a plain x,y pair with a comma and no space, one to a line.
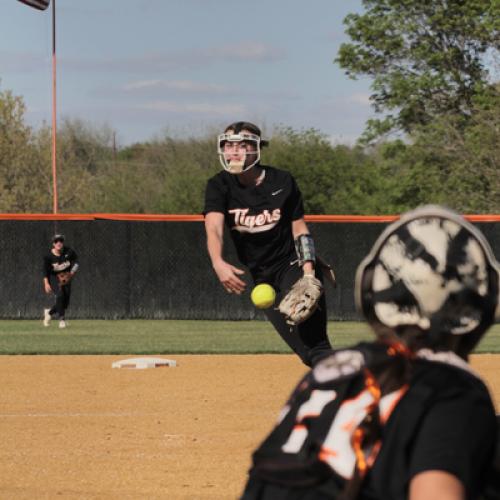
62,294
308,340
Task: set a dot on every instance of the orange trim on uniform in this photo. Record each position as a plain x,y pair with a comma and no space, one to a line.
325,453
372,386
357,446
358,435
309,415
396,348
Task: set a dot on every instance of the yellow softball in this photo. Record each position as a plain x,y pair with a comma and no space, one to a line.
263,296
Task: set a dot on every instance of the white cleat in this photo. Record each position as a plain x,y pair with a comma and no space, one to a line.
46,317
62,324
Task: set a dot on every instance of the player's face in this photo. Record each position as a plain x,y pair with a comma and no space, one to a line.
58,244
239,151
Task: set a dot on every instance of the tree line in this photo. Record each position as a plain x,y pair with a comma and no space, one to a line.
434,139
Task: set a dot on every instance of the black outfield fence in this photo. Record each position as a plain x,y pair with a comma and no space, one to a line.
160,268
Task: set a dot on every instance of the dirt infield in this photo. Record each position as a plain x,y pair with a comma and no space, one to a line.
72,427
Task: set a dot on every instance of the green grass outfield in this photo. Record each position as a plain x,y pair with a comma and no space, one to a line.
171,337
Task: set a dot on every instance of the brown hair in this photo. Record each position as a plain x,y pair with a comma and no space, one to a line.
237,127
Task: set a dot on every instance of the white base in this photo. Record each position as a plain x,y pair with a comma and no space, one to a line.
143,363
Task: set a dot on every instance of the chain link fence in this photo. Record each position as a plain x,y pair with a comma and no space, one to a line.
160,270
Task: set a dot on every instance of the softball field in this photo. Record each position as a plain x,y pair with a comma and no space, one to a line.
73,427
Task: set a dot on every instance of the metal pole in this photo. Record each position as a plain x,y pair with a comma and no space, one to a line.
54,115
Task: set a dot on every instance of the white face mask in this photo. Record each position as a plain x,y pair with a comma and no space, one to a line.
238,152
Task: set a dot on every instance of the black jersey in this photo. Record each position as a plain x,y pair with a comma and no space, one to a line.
440,418
55,264
259,217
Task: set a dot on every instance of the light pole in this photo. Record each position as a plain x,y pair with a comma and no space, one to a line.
43,5
54,113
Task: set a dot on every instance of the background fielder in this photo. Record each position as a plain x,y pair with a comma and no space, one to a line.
263,209
59,268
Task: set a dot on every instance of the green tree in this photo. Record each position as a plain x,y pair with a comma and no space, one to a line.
446,163
333,179
426,57
84,156
189,163
166,175
23,182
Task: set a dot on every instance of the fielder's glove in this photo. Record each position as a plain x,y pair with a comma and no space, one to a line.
302,300
64,278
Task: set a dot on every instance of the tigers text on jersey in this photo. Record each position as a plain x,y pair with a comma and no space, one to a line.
259,217
54,264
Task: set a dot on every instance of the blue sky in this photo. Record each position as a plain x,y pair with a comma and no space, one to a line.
144,67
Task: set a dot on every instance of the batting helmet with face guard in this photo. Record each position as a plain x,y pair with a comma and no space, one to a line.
246,136
430,276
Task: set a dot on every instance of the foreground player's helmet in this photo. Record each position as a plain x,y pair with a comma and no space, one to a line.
433,274
247,138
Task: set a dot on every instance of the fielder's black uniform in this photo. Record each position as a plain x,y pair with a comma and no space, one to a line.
260,222
434,414
52,266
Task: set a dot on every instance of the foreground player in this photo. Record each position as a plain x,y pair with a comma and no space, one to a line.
59,268
405,416
262,206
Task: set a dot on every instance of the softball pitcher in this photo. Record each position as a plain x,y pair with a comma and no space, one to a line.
262,208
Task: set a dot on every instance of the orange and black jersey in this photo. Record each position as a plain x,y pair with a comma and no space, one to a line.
259,217
436,415
55,264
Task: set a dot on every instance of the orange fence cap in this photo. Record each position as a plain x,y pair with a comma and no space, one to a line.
200,218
